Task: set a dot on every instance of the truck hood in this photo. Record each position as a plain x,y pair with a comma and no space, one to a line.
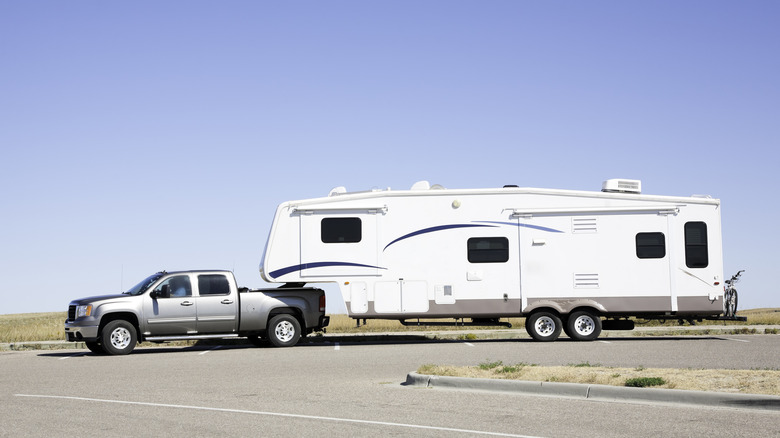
92,300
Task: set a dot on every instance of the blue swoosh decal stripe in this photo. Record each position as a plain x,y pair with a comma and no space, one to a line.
301,267
515,224
434,229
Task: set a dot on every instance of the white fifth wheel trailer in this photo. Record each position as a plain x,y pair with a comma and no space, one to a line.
566,260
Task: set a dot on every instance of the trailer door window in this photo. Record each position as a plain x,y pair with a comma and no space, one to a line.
650,245
488,250
341,230
696,253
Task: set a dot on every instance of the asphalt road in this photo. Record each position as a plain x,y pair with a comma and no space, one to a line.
354,389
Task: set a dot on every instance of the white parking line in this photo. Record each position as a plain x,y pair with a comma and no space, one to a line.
338,347
276,414
605,342
469,344
735,340
207,351
74,355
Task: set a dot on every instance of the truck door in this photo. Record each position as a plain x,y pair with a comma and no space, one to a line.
217,308
173,310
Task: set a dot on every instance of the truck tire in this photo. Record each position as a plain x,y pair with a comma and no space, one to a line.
284,330
583,325
95,347
118,337
543,326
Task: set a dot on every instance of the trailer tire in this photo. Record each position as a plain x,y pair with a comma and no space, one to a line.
284,330
583,325
118,337
544,326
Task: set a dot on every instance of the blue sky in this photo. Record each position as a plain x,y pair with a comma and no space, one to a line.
148,135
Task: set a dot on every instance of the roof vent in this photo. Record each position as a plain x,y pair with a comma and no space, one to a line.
622,186
421,185
337,191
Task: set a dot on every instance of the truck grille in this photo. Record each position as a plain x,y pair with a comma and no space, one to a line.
71,313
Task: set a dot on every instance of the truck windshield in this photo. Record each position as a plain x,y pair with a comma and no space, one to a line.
142,286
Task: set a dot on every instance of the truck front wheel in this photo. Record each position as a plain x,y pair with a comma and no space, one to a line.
284,330
118,337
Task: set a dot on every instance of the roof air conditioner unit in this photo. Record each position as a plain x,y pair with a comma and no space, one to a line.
622,186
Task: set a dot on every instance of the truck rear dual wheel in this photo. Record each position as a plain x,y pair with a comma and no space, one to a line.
284,330
118,337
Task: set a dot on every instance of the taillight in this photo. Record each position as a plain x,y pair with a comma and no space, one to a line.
322,303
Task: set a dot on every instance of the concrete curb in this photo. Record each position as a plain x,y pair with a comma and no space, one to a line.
600,392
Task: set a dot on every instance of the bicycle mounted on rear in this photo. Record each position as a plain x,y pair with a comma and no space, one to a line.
730,296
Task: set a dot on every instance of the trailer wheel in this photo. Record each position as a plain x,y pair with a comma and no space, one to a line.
583,325
543,326
284,330
118,337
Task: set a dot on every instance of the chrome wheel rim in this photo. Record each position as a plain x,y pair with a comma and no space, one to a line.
120,338
285,331
584,325
545,326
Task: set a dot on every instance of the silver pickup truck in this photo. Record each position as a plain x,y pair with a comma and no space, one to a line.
188,305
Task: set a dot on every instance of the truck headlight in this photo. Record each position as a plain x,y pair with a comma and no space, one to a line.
82,311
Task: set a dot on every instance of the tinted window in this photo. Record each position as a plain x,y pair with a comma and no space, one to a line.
341,230
178,286
696,252
213,285
650,245
488,250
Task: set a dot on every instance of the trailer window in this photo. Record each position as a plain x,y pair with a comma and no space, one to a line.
696,253
341,230
488,250
650,245
213,285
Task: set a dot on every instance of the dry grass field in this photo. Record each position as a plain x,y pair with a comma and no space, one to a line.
26,327
735,381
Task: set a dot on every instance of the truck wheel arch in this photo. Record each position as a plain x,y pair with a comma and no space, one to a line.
125,316
294,311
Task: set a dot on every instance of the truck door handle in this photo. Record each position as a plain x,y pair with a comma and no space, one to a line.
186,303
226,301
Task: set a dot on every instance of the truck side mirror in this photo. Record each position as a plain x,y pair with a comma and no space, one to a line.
164,292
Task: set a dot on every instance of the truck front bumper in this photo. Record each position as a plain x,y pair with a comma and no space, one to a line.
75,332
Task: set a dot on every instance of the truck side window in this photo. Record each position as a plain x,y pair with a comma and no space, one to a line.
177,286
213,285
341,230
696,253
650,245
488,250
